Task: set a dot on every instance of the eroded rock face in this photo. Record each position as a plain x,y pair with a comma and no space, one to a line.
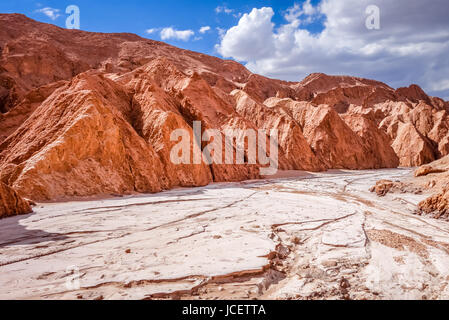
79,143
435,178
411,147
375,142
297,154
11,203
195,100
416,123
155,115
85,114
350,141
431,180
14,119
437,205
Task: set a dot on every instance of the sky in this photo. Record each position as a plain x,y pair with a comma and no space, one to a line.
399,42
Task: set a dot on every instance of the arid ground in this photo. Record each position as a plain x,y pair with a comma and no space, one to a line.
300,236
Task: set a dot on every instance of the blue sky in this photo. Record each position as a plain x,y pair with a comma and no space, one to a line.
137,16
284,39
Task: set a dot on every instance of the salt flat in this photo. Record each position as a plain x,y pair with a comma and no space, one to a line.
296,236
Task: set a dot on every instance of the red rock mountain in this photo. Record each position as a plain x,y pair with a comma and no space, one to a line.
86,114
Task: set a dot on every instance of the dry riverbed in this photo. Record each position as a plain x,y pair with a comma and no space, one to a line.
311,236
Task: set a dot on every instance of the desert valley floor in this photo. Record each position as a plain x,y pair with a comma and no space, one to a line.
300,236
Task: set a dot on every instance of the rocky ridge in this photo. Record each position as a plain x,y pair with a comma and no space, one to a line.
89,114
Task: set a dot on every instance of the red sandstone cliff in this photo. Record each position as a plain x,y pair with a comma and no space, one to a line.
86,114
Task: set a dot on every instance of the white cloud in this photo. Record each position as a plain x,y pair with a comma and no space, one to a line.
308,8
302,14
52,13
170,33
412,45
151,31
204,29
252,38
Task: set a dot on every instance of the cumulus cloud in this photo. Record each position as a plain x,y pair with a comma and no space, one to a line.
52,13
252,38
204,29
412,45
170,33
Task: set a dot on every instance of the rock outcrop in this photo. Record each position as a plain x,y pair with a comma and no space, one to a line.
436,205
434,178
79,143
431,180
11,203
